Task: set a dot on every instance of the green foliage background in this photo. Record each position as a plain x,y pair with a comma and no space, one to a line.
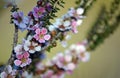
104,62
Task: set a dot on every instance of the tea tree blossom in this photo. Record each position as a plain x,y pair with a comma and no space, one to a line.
38,12
23,59
63,63
80,11
42,35
10,73
20,20
31,46
18,49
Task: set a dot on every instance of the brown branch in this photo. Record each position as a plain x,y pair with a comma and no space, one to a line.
15,38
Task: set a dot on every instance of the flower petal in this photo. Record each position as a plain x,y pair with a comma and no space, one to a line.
22,25
21,14
41,40
79,22
36,37
29,61
71,66
9,69
31,51
15,14
41,9
26,55
17,62
86,57
38,48
23,65
37,31
80,11
26,48
43,31
68,58
66,23
3,75
47,37
19,56
18,49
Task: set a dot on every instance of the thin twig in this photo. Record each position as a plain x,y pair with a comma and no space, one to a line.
15,38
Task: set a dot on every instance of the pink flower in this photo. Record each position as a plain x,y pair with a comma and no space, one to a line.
41,35
74,26
47,74
22,59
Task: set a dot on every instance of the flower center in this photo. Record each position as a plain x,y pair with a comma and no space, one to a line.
39,13
9,76
82,54
23,60
31,47
62,27
19,19
41,36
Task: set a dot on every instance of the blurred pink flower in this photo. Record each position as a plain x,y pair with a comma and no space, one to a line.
74,26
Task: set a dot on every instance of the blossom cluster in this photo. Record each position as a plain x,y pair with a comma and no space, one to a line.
63,62
42,37
70,21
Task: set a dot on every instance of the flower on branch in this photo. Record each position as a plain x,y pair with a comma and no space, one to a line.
38,12
23,59
31,46
42,35
9,73
20,20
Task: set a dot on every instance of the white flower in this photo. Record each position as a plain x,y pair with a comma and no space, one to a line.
84,56
66,23
58,22
70,66
72,47
80,48
71,12
31,46
80,11
51,28
68,58
79,22
9,72
18,49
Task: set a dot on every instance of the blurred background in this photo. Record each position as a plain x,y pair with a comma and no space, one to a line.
104,61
